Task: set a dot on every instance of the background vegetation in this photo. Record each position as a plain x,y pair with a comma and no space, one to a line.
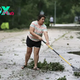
26,11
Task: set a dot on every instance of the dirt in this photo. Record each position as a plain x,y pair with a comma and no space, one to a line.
13,49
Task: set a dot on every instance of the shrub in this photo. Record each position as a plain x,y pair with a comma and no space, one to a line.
77,74
62,78
47,66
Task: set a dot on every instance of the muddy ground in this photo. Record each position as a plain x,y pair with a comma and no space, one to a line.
13,49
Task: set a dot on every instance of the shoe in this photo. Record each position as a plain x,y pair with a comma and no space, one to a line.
35,68
24,66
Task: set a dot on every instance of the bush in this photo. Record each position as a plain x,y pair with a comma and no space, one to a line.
47,66
62,78
77,74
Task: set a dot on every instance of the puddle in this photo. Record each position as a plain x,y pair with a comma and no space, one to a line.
75,52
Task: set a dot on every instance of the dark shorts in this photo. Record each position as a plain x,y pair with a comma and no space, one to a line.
51,22
31,43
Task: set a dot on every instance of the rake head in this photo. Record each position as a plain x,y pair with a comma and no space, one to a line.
75,69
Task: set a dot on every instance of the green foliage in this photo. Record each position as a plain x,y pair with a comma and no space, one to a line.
71,37
25,11
47,66
26,15
77,74
62,78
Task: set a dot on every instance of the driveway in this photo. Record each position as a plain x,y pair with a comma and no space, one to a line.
13,49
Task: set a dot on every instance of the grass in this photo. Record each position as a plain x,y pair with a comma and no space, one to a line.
14,30
71,37
1,55
0,76
47,66
14,63
79,34
16,54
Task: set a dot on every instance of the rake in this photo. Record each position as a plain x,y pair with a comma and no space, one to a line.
74,68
